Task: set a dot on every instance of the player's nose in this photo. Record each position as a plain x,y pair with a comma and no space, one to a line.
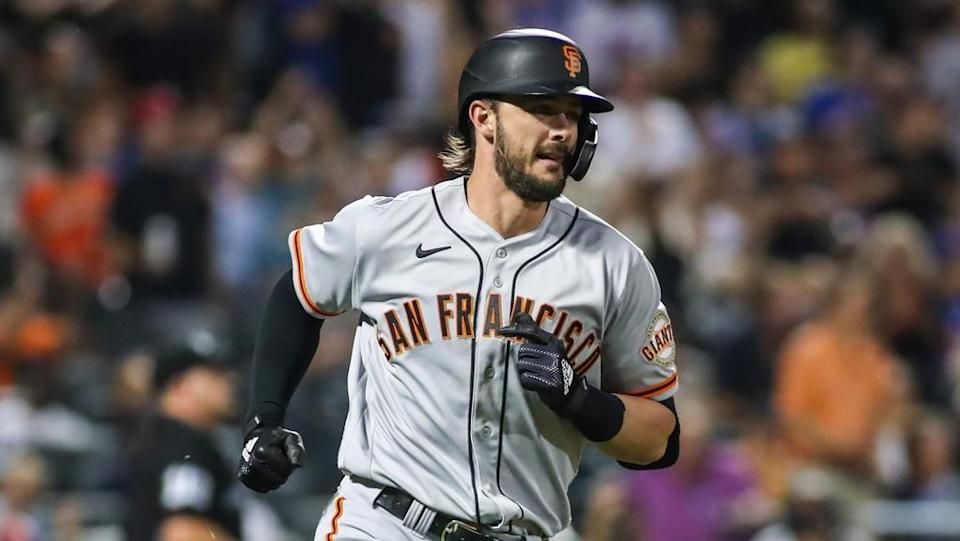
562,128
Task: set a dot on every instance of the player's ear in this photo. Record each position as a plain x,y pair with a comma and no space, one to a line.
482,114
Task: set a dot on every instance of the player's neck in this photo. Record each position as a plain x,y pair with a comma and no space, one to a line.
504,211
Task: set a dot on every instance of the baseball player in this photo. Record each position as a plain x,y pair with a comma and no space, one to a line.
500,326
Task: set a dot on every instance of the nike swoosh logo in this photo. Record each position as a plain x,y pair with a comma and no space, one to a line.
421,253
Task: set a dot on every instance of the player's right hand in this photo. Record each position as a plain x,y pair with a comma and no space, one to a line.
543,366
269,456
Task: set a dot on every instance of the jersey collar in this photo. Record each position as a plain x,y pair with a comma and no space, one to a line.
452,198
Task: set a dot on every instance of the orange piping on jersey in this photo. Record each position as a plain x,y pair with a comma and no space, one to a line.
301,279
656,388
335,523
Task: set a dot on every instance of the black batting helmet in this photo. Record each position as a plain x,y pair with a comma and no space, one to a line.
534,62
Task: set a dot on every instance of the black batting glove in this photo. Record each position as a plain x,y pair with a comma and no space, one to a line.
270,454
544,368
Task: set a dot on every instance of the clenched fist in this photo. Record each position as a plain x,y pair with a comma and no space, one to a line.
269,455
543,365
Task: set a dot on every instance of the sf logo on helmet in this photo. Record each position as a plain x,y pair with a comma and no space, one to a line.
571,60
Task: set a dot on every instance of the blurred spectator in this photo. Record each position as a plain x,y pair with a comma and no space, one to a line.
705,217
642,215
424,64
65,210
796,204
857,182
948,243
310,143
941,72
749,121
309,29
348,50
502,15
918,157
816,510
242,213
23,517
132,390
416,161
35,345
370,47
840,107
58,78
28,332
745,24
933,453
647,138
714,485
694,74
179,485
909,316
256,49
836,382
797,58
251,208
42,418
620,31
711,493
161,213
650,136
779,297
176,42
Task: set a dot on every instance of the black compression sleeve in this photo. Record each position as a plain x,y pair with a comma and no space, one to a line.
597,414
286,342
672,453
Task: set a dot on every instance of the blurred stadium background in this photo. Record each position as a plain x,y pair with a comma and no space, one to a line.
790,167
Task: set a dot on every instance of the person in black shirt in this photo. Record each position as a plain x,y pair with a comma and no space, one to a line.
180,487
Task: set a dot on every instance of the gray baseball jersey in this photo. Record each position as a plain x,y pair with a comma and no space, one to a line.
436,406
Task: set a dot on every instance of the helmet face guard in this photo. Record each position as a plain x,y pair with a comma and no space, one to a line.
534,62
578,162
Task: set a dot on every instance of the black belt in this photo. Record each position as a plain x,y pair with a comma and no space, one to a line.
447,528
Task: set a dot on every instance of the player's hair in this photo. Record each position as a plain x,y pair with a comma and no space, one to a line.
457,153
458,150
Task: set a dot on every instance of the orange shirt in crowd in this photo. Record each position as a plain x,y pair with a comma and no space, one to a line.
67,219
833,391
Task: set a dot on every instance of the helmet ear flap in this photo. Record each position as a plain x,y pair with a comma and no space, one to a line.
578,163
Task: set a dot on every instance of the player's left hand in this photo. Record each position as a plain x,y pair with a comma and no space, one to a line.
543,365
270,454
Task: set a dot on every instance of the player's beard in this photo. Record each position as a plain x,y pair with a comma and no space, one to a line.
527,186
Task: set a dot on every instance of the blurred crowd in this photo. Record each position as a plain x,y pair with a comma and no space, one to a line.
790,168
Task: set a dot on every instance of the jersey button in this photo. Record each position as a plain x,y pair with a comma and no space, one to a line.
501,253
497,282
489,372
486,431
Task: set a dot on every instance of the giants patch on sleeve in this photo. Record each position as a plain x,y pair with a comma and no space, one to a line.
659,347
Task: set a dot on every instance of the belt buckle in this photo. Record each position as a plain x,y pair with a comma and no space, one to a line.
456,530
